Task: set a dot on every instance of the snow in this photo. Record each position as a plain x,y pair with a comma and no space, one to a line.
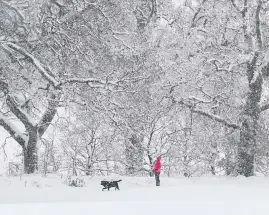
188,196
43,71
255,76
46,73
13,127
91,82
28,117
178,2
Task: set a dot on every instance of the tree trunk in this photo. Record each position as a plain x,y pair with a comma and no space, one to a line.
30,153
213,170
88,169
247,145
213,157
150,164
228,164
250,117
134,154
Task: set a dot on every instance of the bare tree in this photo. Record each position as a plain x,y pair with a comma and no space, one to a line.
21,59
229,44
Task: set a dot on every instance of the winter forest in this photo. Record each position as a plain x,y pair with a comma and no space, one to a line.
95,87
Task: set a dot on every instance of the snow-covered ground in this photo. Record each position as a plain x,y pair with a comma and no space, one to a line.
193,196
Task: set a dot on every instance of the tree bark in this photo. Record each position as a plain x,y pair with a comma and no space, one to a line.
150,164
248,130
134,154
30,153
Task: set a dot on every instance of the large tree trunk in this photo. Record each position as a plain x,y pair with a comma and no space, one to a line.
250,117
30,153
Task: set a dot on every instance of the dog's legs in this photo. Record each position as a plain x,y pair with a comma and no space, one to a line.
117,187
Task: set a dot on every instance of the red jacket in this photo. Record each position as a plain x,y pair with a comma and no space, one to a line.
157,165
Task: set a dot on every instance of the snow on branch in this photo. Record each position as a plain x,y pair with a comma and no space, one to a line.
264,107
253,72
49,115
16,11
235,6
153,11
46,120
91,82
19,113
48,75
25,118
13,131
200,100
43,70
211,116
258,25
216,118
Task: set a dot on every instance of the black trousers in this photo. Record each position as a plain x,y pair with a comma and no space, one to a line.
157,177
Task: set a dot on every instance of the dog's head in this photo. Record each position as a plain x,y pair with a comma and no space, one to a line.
104,182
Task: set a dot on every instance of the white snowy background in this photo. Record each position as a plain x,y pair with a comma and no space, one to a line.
207,195
204,196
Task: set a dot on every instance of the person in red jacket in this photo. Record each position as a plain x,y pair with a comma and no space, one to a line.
157,169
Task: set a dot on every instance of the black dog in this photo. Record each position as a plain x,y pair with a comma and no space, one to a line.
108,184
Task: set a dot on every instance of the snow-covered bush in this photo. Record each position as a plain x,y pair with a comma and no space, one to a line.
75,182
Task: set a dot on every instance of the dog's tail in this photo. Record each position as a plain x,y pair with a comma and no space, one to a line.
119,180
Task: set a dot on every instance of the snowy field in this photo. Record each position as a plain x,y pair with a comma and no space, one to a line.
193,196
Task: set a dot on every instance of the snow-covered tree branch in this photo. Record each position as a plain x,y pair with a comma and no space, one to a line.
13,130
209,115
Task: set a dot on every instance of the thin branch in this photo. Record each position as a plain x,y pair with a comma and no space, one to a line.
4,145
235,6
153,9
43,70
252,68
258,25
91,82
13,9
47,74
196,14
122,41
245,9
